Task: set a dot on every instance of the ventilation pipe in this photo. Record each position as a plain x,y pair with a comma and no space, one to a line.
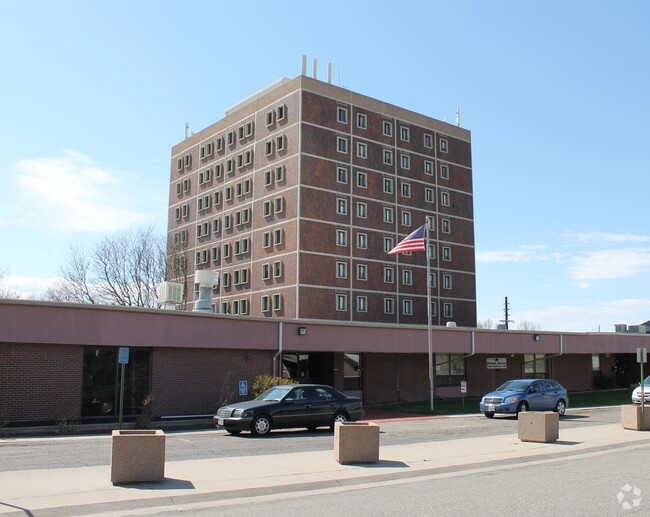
207,281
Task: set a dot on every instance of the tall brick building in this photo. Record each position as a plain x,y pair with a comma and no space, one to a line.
296,196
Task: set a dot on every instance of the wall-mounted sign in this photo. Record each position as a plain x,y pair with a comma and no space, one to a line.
497,363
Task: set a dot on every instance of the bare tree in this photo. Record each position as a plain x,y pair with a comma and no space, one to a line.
6,292
123,269
178,262
528,325
485,324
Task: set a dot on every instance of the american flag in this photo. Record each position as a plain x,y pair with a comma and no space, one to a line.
414,242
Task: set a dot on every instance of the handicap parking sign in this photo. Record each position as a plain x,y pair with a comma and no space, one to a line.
243,387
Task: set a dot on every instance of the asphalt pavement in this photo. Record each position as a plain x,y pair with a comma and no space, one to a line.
203,483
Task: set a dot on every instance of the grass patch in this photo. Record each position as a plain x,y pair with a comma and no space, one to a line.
470,405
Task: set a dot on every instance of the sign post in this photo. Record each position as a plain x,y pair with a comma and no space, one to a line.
122,359
463,390
641,358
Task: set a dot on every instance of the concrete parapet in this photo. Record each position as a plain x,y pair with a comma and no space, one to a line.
631,417
356,442
539,426
138,456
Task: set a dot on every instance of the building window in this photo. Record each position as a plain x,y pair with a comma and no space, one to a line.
387,128
446,253
342,144
279,173
362,272
341,206
389,306
266,239
279,143
269,118
407,277
389,244
450,369
444,198
362,210
362,241
280,112
267,208
444,172
446,226
266,303
406,190
362,121
266,271
405,133
388,157
362,150
341,237
407,307
446,281
405,161
428,140
428,167
388,185
277,236
341,302
277,302
362,304
443,145
406,218
389,275
277,269
535,365
341,269
278,205
428,195
432,280
362,179
268,147
218,170
342,115
342,175
447,310
389,215
268,178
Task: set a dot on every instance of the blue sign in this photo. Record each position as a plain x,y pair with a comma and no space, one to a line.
123,356
243,387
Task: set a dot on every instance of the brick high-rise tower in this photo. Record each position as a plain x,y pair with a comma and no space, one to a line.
295,197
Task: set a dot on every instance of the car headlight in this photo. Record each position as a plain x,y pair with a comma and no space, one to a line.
511,400
246,414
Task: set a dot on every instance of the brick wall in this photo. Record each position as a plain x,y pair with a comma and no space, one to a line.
199,381
40,382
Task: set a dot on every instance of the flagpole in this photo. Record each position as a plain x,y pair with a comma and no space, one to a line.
429,330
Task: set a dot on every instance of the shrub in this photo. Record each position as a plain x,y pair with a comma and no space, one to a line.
266,382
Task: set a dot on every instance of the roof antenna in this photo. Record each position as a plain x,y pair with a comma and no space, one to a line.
458,117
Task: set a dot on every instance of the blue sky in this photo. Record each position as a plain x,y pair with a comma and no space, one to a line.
95,94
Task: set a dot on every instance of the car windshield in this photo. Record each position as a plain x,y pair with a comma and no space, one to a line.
273,394
646,381
514,386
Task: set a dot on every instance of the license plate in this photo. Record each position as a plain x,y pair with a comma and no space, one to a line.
219,421
490,407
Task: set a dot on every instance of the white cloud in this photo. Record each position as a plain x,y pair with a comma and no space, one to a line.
608,264
597,237
73,193
27,286
524,253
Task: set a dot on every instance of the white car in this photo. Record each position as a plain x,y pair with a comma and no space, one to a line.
636,394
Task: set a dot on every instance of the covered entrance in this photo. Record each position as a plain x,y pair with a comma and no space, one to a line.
343,371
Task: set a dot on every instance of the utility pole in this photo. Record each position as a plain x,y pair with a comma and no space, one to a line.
506,321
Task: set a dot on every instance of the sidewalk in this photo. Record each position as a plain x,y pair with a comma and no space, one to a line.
210,482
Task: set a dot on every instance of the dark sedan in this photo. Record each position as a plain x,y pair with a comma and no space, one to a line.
292,405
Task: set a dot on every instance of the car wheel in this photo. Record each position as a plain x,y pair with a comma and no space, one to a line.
522,408
339,417
489,414
234,432
560,407
261,425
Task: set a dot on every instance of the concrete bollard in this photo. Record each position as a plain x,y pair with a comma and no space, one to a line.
356,442
539,426
631,417
138,456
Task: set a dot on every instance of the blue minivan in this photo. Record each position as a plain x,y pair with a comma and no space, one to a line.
516,396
